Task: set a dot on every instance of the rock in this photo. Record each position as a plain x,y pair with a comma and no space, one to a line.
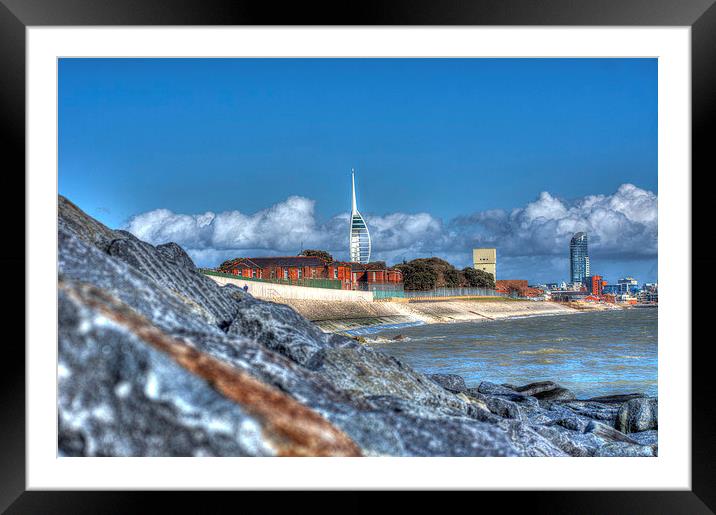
624,450
505,394
616,399
187,282
451,382
534,388
650,437
494,389
73,220
555,415
497,405
555,394
583,444
636,415
605,412
608,433
398,337
128,389
174,253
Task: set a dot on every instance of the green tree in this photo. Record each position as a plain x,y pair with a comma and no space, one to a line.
317,253
419,274
475,278
452,277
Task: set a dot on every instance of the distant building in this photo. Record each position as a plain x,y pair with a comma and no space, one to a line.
610,289
576,286
359,242
569,295
628,285
595,284
485,260
516,288
579,258
646,296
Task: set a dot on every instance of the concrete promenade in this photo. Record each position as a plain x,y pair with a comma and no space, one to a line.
340,316
281,292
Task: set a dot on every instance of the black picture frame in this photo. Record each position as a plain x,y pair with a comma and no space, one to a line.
17,15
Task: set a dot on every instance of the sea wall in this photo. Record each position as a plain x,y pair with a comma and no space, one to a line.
340,316
281,292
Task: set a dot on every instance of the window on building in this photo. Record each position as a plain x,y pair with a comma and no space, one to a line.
373,276
253,272
300,273
335,273
285,273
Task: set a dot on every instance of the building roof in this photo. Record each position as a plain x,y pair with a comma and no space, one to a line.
376,266
579,237
298,261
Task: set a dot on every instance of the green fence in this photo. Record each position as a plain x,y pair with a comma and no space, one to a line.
331,284
384,291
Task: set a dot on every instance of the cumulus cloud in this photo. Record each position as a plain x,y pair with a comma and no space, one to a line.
621,226
283,228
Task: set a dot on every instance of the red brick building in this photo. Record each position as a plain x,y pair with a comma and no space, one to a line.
289,268
595,284
375,273
296,268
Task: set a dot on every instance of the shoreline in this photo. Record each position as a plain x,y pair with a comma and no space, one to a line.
367,317
375,329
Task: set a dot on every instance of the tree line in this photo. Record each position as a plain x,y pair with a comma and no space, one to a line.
429,273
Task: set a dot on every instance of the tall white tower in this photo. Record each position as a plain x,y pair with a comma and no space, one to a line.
359,246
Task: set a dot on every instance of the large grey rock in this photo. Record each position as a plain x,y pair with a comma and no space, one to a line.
128,389
176,255
596,440
616,399
451,382
555,394
73,220
184,281
489,388
605,412
638,415
535,388
498,405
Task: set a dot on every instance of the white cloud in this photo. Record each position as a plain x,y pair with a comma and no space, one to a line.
621,226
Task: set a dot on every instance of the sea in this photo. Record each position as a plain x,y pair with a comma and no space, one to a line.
592,353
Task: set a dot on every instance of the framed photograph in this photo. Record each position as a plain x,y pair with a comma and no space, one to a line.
430,247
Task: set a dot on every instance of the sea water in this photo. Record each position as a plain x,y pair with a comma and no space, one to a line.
591,353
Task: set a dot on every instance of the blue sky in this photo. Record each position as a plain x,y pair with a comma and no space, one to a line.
455,152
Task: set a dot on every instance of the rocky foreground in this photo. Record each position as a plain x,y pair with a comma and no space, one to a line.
155,359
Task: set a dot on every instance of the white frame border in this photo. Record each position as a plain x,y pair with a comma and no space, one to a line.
671,470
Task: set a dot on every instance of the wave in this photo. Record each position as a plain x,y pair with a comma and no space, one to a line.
547,350
631,357
387,340
381,328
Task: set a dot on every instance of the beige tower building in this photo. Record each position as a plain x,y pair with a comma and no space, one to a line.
485,259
